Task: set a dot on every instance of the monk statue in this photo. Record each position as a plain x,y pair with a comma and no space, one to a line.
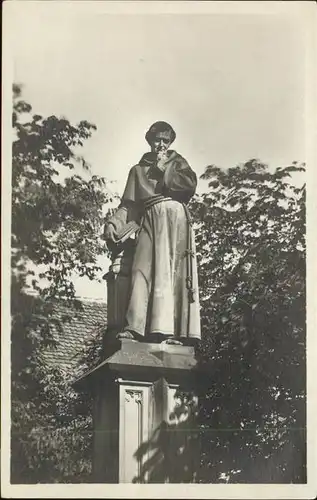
163,298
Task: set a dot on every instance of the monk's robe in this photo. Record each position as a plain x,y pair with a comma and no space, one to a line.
159,299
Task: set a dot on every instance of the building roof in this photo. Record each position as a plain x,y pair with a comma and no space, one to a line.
78,329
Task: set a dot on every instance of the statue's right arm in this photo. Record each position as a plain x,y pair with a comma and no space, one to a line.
127,211
109,232
115,223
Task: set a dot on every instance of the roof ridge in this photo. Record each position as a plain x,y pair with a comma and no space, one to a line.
87,300
91,299
97,300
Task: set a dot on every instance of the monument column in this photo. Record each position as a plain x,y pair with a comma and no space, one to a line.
141,424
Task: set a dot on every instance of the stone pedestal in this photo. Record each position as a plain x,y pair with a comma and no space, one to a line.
144,414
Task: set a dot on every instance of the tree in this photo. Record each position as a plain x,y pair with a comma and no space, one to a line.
57,216
251,250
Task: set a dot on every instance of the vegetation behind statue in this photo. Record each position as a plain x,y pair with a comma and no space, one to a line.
56,226
251,242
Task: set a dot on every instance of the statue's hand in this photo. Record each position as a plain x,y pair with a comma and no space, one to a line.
161,159
109,233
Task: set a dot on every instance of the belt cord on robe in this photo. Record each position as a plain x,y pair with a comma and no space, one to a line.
189,254
149,203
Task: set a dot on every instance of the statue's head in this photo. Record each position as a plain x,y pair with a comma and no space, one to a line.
160,136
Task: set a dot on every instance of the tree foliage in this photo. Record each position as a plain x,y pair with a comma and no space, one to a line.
251,250
57,217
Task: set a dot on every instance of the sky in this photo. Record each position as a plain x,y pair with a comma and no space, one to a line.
232,84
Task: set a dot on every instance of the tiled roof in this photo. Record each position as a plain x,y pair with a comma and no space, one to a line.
78,328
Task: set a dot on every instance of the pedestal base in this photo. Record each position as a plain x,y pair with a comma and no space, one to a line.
144,415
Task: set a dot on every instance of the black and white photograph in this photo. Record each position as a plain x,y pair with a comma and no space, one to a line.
158,200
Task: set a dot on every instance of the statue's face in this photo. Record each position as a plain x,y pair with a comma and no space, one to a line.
161,142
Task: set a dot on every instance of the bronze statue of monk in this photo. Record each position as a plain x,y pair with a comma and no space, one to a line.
163,296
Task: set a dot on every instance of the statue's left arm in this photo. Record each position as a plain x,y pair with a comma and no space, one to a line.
179,181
